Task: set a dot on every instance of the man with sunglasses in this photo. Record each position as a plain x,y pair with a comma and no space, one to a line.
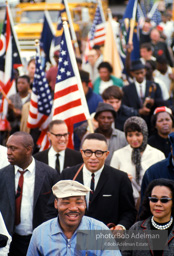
110,199
58,156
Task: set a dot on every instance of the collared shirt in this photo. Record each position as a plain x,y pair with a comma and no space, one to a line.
52,158
87,179
26,225
3,231
143,86
49,240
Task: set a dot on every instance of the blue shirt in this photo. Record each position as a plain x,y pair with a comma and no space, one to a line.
49,240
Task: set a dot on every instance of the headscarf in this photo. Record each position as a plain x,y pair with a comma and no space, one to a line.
136,152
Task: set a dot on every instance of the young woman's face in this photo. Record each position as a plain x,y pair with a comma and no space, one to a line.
161,211
135,139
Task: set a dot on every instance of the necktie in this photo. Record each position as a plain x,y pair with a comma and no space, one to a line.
141,94
92,187
57,163
18,197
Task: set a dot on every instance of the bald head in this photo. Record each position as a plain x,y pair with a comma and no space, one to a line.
19,149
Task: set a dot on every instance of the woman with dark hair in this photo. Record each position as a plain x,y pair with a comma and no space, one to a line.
162,122
157,215
105,79
138,156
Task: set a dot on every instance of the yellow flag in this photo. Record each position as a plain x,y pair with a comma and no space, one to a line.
110,51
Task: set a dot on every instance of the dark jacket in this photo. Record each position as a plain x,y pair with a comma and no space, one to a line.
72,157
45,178
112,201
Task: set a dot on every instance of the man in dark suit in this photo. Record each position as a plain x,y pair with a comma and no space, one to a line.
142,95
26,188
59,136
110,199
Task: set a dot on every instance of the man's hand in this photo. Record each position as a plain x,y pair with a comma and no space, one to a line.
144,111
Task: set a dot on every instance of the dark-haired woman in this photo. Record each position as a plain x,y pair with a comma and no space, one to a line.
157,215
162,123
105,79
138,156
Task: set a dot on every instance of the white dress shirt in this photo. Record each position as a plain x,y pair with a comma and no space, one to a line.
3,231
26,225
52,158
3,157
87,180
143,86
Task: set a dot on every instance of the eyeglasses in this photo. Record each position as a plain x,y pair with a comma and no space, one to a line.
162,200
59,136
98,153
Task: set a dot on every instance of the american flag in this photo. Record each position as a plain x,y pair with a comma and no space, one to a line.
69,100
98,29
40,104
9,59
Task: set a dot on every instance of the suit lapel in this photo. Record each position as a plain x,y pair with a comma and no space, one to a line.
100,184
135,96
39,179
10,185
66,158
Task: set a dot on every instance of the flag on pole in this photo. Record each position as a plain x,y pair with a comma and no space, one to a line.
110,52
40,113
47,36
69,99
9,59
98,30
130,20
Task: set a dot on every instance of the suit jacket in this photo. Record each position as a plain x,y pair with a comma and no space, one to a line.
131,98
112,200
72,157
45,178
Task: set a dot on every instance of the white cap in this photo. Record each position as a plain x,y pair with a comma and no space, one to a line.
68,188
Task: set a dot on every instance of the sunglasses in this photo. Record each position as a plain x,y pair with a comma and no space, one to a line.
162,200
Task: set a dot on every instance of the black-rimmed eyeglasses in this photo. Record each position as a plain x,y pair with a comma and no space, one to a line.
59,136
97,153
162,200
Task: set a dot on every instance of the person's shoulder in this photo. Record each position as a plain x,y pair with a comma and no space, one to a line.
93,224
46,226
114,172
73,152
123,150
41,153
44,167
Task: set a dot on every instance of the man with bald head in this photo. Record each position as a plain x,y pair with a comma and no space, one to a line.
26,184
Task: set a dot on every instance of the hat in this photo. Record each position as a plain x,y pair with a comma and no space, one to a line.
104,107
84,76
67,188
136,65
171,139
162,109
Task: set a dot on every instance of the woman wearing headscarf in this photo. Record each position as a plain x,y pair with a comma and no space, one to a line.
138,156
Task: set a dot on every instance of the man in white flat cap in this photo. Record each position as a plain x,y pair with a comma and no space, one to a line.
59,236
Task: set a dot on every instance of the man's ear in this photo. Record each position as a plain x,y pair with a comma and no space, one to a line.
55,203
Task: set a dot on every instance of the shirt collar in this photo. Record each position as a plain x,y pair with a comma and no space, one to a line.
138,84
56,229
53,152
88,173
30,168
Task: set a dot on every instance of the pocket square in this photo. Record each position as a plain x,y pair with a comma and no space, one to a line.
107,195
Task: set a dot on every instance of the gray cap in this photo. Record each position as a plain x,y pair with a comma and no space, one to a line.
102,106
68,188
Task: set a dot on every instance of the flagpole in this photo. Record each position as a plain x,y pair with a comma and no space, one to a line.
132,24
74,38
101,10
76,72
14,32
